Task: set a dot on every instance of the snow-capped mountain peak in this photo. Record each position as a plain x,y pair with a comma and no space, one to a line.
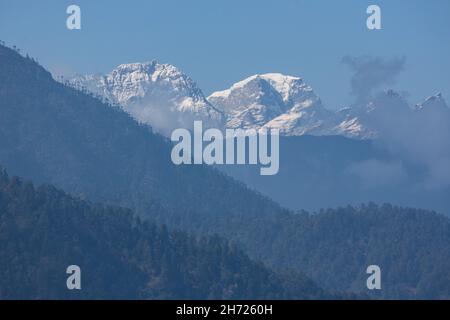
271,100
156,94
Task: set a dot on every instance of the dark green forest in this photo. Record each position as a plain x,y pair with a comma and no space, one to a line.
43,230
51,133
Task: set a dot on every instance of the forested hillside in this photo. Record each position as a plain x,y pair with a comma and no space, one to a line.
43,231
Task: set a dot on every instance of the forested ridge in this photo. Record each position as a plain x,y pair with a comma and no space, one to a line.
43,231
51,133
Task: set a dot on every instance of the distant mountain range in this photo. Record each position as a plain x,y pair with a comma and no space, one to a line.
51,133
164,97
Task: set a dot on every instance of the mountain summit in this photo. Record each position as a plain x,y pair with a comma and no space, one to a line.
273,100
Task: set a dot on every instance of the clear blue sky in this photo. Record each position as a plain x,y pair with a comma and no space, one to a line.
219,42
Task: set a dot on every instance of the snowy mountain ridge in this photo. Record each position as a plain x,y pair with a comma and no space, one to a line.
165,98
155,94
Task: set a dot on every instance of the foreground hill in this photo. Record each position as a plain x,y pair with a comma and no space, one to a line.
54,134
43,231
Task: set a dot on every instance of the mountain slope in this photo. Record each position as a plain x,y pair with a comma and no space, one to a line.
411,247
164,97
55,134
386,109
43,231
325,172
287,103
52,133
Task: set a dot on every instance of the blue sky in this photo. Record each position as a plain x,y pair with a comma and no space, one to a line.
220,42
